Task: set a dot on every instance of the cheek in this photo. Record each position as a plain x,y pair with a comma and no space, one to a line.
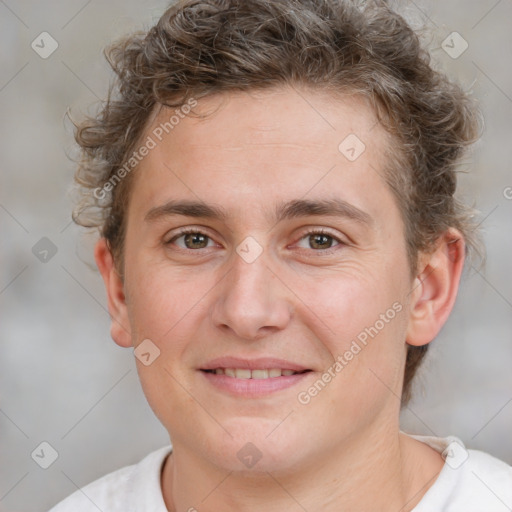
165,309
164,298
365,338
350,300
364,379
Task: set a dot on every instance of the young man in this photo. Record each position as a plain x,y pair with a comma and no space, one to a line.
279,244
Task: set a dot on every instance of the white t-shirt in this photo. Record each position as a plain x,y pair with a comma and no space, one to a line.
470,481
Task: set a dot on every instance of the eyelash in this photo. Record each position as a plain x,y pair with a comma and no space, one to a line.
320,231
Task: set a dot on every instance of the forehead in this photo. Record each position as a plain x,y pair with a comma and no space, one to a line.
248,120
260,146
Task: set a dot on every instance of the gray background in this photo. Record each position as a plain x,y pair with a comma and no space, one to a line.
62,380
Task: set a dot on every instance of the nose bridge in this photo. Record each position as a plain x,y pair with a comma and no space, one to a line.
251,281
252,301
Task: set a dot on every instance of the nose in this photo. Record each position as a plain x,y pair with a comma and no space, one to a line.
251,300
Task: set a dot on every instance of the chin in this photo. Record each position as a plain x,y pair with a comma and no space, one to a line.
258,446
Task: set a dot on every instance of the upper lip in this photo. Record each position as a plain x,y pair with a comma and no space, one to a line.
261,363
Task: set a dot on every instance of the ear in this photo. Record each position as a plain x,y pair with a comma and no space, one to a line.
435,288
120,325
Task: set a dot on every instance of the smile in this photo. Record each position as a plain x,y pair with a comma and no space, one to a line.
246,373
252,378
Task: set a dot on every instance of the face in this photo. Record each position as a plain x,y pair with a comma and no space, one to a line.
291,270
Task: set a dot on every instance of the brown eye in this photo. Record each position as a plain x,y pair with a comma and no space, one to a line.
191,240
320,241
195,241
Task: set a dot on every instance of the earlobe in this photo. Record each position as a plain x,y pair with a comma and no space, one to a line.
120,326
435,288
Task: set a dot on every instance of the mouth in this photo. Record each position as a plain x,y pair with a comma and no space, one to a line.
246,373
252,378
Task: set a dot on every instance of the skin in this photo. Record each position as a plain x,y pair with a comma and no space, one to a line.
297,301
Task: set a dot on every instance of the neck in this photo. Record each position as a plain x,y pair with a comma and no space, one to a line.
381,471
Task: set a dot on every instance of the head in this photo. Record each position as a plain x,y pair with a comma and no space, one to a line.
249,106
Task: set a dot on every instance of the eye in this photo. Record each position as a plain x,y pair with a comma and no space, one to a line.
318,240
191,239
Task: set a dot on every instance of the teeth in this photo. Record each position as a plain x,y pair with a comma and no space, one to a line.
242,373
259,374
245,373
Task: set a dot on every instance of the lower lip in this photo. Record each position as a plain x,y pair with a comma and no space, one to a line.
251,388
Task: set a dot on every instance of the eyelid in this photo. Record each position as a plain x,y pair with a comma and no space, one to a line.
205,231
324,231
179,232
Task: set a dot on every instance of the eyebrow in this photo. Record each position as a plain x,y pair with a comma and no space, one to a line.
283,211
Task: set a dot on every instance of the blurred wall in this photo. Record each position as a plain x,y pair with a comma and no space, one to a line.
64,382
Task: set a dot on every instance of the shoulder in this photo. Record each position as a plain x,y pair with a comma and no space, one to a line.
488,477
470,481
121,490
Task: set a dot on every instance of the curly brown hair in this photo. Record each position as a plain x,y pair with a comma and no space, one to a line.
200,47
